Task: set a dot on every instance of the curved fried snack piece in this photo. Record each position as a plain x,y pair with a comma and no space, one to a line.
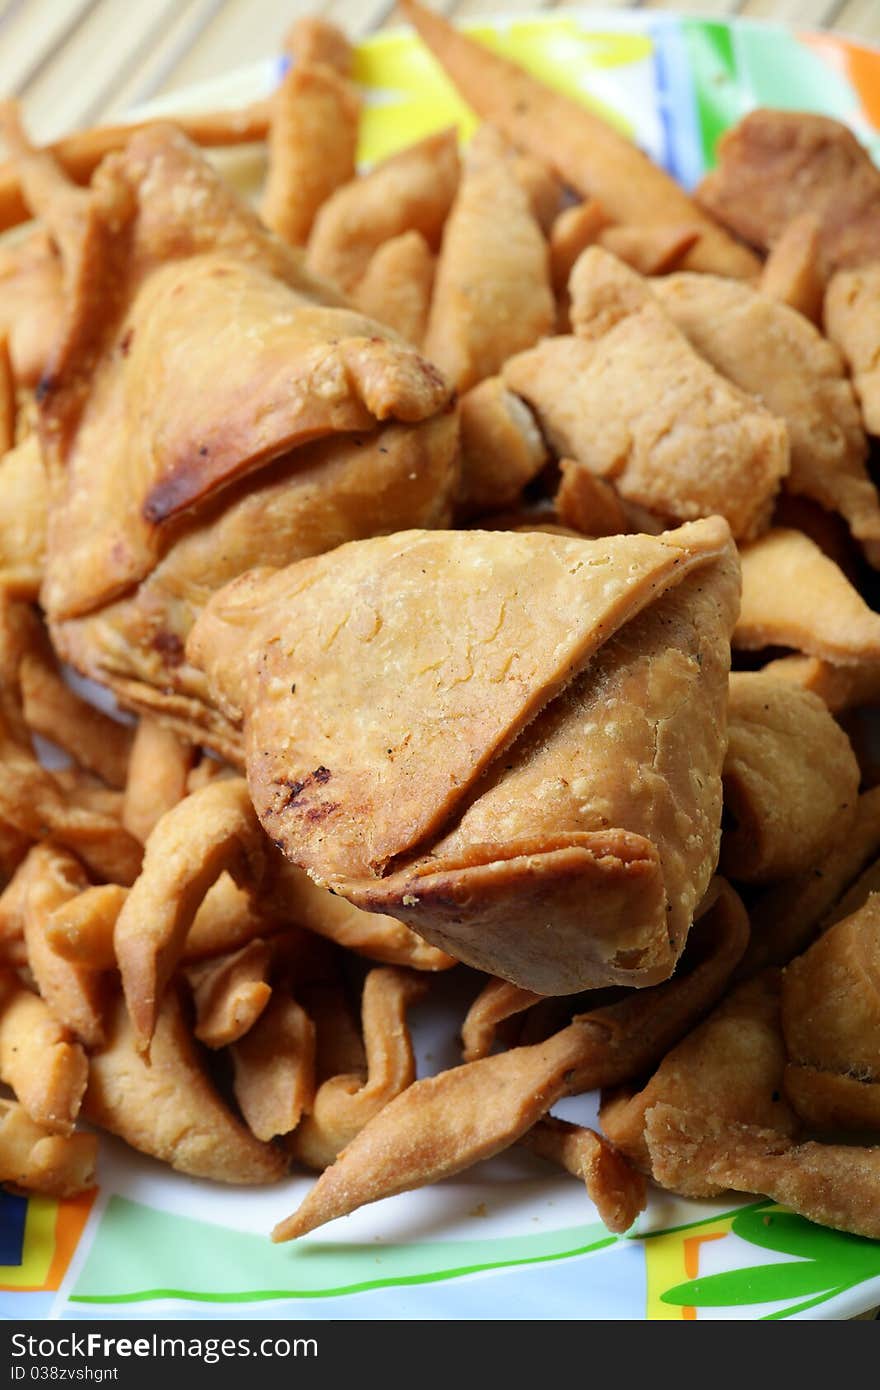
831,1021
229,916
787,915
793,273
292,893
492,295
851,314
396,286
502,448
80,153
230,993
791,779
23,514
794,596
543,189
318,497
311,146
344,1104
167,1107
412,191
730,1068
618,1190
588,154
494,680
39,1058
36,1160
97,743
32,801
776,355
80,930
497,1000
274,1068
834,1185
651,250
53,878
212,830
442,1124
157,771
572,232
688,443
589,504
775,165
841,687
312,39
151,330
31,303
437,1127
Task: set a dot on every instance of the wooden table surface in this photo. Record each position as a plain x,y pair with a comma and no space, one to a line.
74,62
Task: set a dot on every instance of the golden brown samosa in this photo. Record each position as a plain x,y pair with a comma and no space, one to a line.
208,401
512,742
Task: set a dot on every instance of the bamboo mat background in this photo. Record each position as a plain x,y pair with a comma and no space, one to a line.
75,62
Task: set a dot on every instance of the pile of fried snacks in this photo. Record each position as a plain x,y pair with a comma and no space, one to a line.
481,552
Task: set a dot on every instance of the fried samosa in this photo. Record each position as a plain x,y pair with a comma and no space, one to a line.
511,742
196,349
777,356
687,443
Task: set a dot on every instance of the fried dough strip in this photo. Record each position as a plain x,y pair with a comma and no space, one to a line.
396,285
831,1184
35,1159
274,1068
167,1107
157,776
502,448
618,1190
339,1047
311,147
80,154
39,1058
731,1066
32,801
651,250
492,294
793,273
212,830
23,504
73,993
572,232
841,687
497,1000
7,398
442,1124
411,191
851,322
96,742
230,994
344,1104
794,596
584,151
81,930
369,934
312,39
